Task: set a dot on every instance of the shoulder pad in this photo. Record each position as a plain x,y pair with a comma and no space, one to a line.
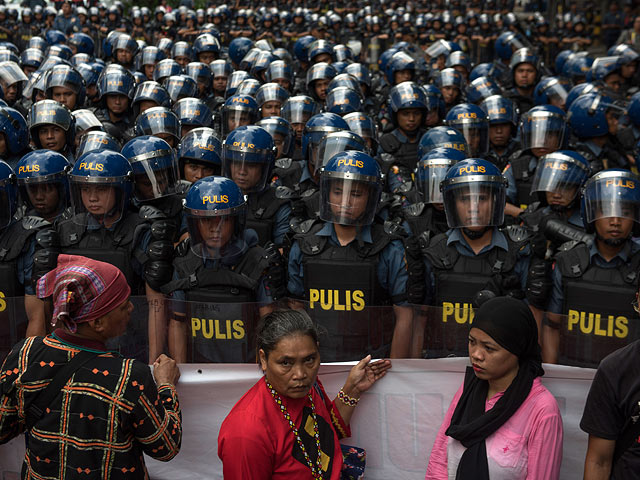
532,207
566,246
147,212
393,228
515,155
183,247
286,193
517,233
31,222
390,143
284,163
302,227
309,192
414,210
424,239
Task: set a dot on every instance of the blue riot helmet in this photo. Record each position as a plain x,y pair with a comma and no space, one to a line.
82,43
85,121
95,141
238,48
343,100
182,53
474,195
124,49
439,48
11,74
166,68
472,122
432,169
560,175
234,81
261,64
350,189
480,70
154,166
249,59
237,111
37,42
248,157
216,211
282,134
580,89
80,58
51,113
38,174
458,59
365,126
345,80
180,86
14,127
361,73
442,136
561,58
90,75
91,173
450,77
323,73
612,193
8,55
115,80
501,110
576,67
249,86
407,95
283,54
200,154
297,111
55,37
270,98
320,51
481,88
31,58
300,48
552,91
587,115
507,43
625,52
385,58
193,113
203,74
402,64
342,53
524,55
8,194
317,127
602,74
543,129
336,142
159,122
280,72
206,47
66,86
149,94
150,56
165,45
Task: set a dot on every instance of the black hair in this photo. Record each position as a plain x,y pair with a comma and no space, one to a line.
279,324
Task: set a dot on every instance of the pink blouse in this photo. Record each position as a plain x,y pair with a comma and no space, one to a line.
527,447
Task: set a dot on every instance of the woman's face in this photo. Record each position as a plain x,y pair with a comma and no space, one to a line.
98,199
292,367
348,202
489,360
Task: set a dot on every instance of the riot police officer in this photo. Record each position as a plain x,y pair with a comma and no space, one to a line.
475,255
525,66
159,122
66,86
200,155
592,283
52,126
248,156
222,266
348,262
115,92
503,127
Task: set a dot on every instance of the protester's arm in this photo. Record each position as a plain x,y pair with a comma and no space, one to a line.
157,322
597,464
438,459
34,307
157,417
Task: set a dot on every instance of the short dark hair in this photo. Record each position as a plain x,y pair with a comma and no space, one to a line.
280,324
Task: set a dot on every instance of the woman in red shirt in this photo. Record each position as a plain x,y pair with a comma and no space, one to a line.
285,426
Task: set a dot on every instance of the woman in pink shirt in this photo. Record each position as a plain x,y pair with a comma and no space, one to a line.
503,423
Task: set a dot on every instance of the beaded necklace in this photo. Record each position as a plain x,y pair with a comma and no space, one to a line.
316,470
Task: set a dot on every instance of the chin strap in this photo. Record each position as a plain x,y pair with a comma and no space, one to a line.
472,234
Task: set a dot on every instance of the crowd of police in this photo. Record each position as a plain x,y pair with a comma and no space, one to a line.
335,157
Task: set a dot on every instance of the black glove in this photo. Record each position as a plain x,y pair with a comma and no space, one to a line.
45,257
417,282
298,209
276,281
158,273
539,283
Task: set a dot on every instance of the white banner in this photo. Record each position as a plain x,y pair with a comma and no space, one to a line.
396,422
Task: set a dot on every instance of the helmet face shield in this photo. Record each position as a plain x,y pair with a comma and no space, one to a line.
215,233
474,201
335,143
543,130
431,172
249,170
557,172
155,175
348,199
97,200
476,135
612,194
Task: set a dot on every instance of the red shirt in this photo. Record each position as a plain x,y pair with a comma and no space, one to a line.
256,442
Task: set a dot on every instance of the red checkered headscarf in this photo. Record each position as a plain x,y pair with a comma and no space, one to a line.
82,290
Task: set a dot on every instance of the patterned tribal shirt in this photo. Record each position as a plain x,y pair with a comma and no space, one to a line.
108,414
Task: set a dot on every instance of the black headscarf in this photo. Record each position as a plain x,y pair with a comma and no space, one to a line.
511,324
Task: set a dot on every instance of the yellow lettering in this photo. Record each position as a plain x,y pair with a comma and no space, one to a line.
586,323
572,319
465,313
599,331
358,300
447,310
3,303
219,335
617,182
207,333
622,327
336,305
196,325
314,296
238,329
326,305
